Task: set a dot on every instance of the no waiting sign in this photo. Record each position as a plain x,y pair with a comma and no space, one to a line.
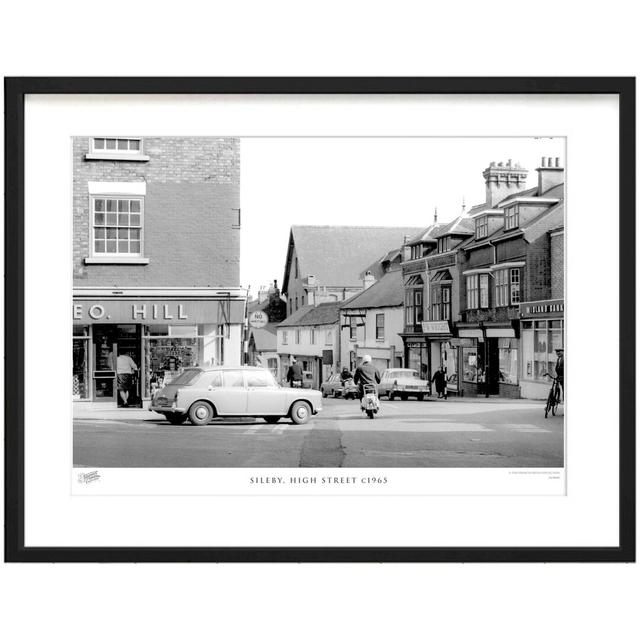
258,319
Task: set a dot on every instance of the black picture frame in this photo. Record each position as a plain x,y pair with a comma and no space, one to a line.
15,91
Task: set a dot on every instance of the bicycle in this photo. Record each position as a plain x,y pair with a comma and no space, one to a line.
553,399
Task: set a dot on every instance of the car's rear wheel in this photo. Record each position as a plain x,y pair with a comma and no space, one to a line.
404,396
200,413
271,419
325,394
176,418
420,397
300,412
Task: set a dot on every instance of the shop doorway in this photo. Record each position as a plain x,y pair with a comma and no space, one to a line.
109,342
493,366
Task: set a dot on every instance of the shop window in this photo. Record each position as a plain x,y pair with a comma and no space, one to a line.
117,226
472,367
512,217
379,326
449,363
80,373
540,339
116,145
508,360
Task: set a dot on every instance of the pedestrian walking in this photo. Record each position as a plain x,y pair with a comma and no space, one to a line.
125,370
295,374
560,369
440,382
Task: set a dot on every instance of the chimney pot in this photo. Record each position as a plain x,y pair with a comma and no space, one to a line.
557,162
542,161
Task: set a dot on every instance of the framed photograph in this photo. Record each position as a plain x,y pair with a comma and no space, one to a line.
320,319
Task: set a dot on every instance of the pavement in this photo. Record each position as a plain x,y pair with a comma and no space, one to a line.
456,432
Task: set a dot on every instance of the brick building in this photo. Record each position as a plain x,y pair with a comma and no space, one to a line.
156,248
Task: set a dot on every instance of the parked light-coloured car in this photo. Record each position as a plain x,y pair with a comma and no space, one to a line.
202,394
403,383
332,386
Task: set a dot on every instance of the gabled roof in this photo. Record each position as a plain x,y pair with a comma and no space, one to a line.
386,292
338,256
265,338
324,313
427,234
533,192
461,226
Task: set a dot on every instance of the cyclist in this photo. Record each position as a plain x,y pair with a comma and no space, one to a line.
560,368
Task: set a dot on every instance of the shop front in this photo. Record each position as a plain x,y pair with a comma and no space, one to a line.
542,332
430,349
161,331
489,360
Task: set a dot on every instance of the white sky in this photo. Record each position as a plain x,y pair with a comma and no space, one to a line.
362,181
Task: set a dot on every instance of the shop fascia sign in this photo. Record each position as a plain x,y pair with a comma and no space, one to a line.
436,326
543,307
142,311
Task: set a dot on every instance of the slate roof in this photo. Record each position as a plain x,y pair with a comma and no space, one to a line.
386,292
340,255
461,225
324,313
427,234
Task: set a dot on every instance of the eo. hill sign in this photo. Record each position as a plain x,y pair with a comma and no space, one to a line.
154,311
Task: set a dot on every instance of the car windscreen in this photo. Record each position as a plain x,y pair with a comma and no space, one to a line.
187,377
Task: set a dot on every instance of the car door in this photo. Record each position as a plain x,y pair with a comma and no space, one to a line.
231,400
264,396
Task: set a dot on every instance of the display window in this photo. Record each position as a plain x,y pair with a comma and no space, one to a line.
540,339
449,363
508,360
81,382
472,365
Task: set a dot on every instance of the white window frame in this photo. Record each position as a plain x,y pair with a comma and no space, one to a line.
473,291
381,337
512,217
482,227
484,303
297,336
127,151
328,340
502,288
111,196
285,337
514,286
312,336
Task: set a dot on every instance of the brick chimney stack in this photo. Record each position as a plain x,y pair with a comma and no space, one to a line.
550,174
502,180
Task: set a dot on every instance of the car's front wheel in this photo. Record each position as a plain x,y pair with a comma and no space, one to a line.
200,413
176,418
300,412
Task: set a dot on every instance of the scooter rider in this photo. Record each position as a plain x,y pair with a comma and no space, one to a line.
366,373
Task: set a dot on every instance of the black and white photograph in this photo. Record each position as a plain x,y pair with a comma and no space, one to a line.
318,302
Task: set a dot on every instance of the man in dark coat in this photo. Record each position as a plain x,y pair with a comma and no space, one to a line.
295,373
560,368
366,373
440,381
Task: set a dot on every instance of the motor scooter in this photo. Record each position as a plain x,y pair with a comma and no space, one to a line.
369,401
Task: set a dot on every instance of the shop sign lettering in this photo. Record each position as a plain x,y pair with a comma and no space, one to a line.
136,312
435,327
553,306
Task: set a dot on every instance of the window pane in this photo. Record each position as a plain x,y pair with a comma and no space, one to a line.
99,218
99,246
134,220
111,143
123,219
123,246
112,205
134,246
233,379
259,379
100,234
111,233
135,206
98,143
134,234
123,234
112,219
122,145
98,204
123,205
111,246
134,145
